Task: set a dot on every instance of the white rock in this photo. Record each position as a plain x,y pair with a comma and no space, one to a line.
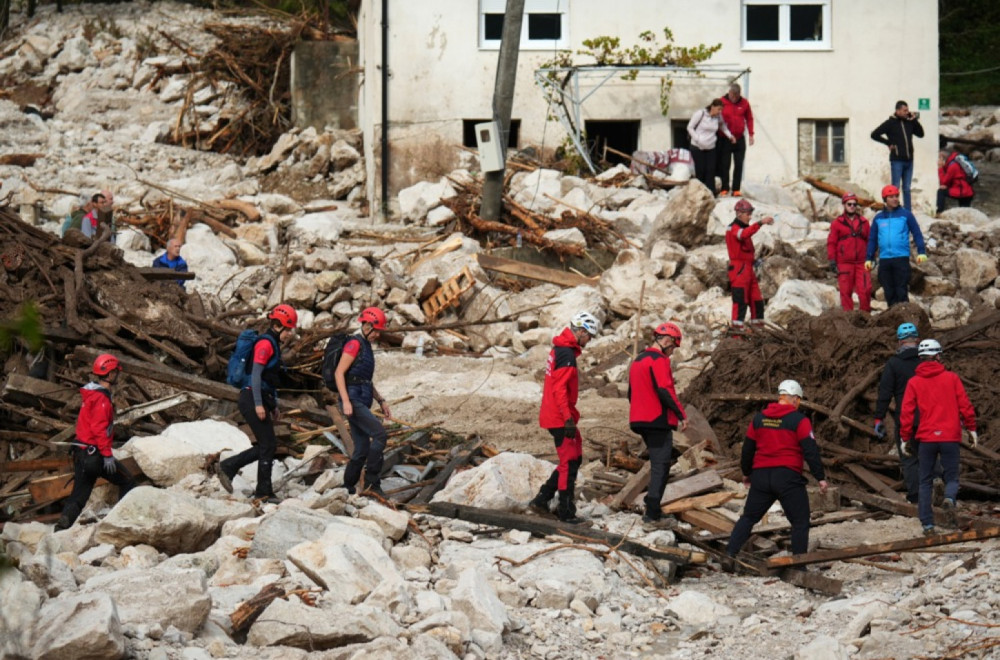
20,601
317,229
622,283
392,523
684,219
286,527
418,199
293,623
477,599
536,189
177,598
697,608
78,626
49,572
182,449
505,482
553,594
167,520
75,55
204,251
823,647
947,313
571,236
976,269
800,296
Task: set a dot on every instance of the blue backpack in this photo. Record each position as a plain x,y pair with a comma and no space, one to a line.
971,171
240,362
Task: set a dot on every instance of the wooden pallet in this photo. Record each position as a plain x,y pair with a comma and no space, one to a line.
448,295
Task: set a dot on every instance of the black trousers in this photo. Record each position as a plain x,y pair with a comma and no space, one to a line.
267,442
704,166
894,276
943,196
768,485
369,448
660,445
731,154
88,467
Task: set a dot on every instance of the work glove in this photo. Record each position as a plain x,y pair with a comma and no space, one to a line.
833,268
869,265
570,428
904,448
109,465
921,258
879,429
975,439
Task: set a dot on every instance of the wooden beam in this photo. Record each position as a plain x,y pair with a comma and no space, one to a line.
164,274
701,502
29,391
708,520
880,548
533,272
826,519
906,509
636,484
697,484
699,430
548,527
872,480
36,465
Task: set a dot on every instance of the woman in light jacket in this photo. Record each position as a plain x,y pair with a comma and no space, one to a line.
703,130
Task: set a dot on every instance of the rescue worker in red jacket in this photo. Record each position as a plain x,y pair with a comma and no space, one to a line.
778,440
846,246
742,280
559,415
655,411
953,182
92,457
935,406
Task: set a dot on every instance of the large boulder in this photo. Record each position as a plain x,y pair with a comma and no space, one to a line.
293,623
505,482
20,601
285,528
182,449
976,269
170,521
801,297
537,190
204,251
621,285
169,597
78,626
316,229
947,313
418,199
685,218
477,599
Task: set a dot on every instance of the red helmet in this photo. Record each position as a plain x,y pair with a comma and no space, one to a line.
848,196
743,206
105,364
285,315
890,190
373,315
669,330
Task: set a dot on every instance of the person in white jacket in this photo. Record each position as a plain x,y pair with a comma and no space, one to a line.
703,130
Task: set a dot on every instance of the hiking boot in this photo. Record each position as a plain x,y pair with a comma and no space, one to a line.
63,523
650,524
724,193
540,505
950,512
225,477
266,499
376,491
930,530
737,193
566,511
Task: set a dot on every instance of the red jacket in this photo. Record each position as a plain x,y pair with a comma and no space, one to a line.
653,401
848,239
952,177
95,423
738,116
562,386
937,396
739,241
781,436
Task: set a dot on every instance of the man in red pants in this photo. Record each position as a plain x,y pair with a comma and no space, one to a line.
742,280
845,248
559,415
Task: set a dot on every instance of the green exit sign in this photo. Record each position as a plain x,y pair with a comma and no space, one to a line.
924,104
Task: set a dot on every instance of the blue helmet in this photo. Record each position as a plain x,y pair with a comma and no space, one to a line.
906,331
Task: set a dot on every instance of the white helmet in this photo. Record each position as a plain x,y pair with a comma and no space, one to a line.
929,347
587,321
790,387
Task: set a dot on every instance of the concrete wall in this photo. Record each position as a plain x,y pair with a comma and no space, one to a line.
879,52
325,84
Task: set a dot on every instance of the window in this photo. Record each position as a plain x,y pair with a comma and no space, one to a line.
828,141
545,25
619,134
776,25
469,132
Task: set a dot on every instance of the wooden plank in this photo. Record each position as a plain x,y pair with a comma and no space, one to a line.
829,518
548,527
702,501
463,458
707,520
38,464
637,483
696,484
164,274
906,509
533,272
872,480
51,489
879,548
29,391
699,430
814,581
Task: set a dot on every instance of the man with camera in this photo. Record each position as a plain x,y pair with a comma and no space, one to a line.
897,133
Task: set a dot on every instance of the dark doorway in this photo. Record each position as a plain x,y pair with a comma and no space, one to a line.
469,132
621,135
679,134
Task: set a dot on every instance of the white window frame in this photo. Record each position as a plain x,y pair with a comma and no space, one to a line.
560,7
829,142
784,41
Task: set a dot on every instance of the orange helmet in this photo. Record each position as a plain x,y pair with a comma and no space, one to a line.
890,190
848,196
743,206
669,330
285,315
105,364
373,315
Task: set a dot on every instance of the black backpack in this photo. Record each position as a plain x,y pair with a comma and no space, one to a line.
331,358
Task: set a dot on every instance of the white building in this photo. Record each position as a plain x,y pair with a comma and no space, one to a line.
822,74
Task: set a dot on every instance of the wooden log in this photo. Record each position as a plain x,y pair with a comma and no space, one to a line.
873,481
699,483
533,272
825,519
548,527
699,430
248,210
863,385
880,548
700,502
23,389
904,508
463,458
342,428
248,611
36,465
156,274
839,192
707,520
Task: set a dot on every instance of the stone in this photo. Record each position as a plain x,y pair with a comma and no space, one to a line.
249,254
168,597
536,190
325,259
553,594
697,608
182,449
947,313
965,216
418,199
393,523
49,572
293,623
20,601
685,218
505,482
976,269
359,270
316,229
170,521
476,598
621,284
276,204
441,215
571,236
78,626
285,528
670,255
823,647
204,251
800,296
75,55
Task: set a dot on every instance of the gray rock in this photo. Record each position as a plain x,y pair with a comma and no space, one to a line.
976,269
170,521
505,482
293,623
697,608
477,599
20,601
822,647
685,218
176,598
78,626
286,527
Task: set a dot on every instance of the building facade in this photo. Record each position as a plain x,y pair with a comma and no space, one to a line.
820,75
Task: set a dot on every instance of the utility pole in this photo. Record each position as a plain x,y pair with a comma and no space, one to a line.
503,102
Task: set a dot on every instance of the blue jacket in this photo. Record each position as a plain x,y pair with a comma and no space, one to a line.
890,235
177,264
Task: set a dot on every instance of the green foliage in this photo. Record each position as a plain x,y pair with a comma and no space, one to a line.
608,51
27,325
969,41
